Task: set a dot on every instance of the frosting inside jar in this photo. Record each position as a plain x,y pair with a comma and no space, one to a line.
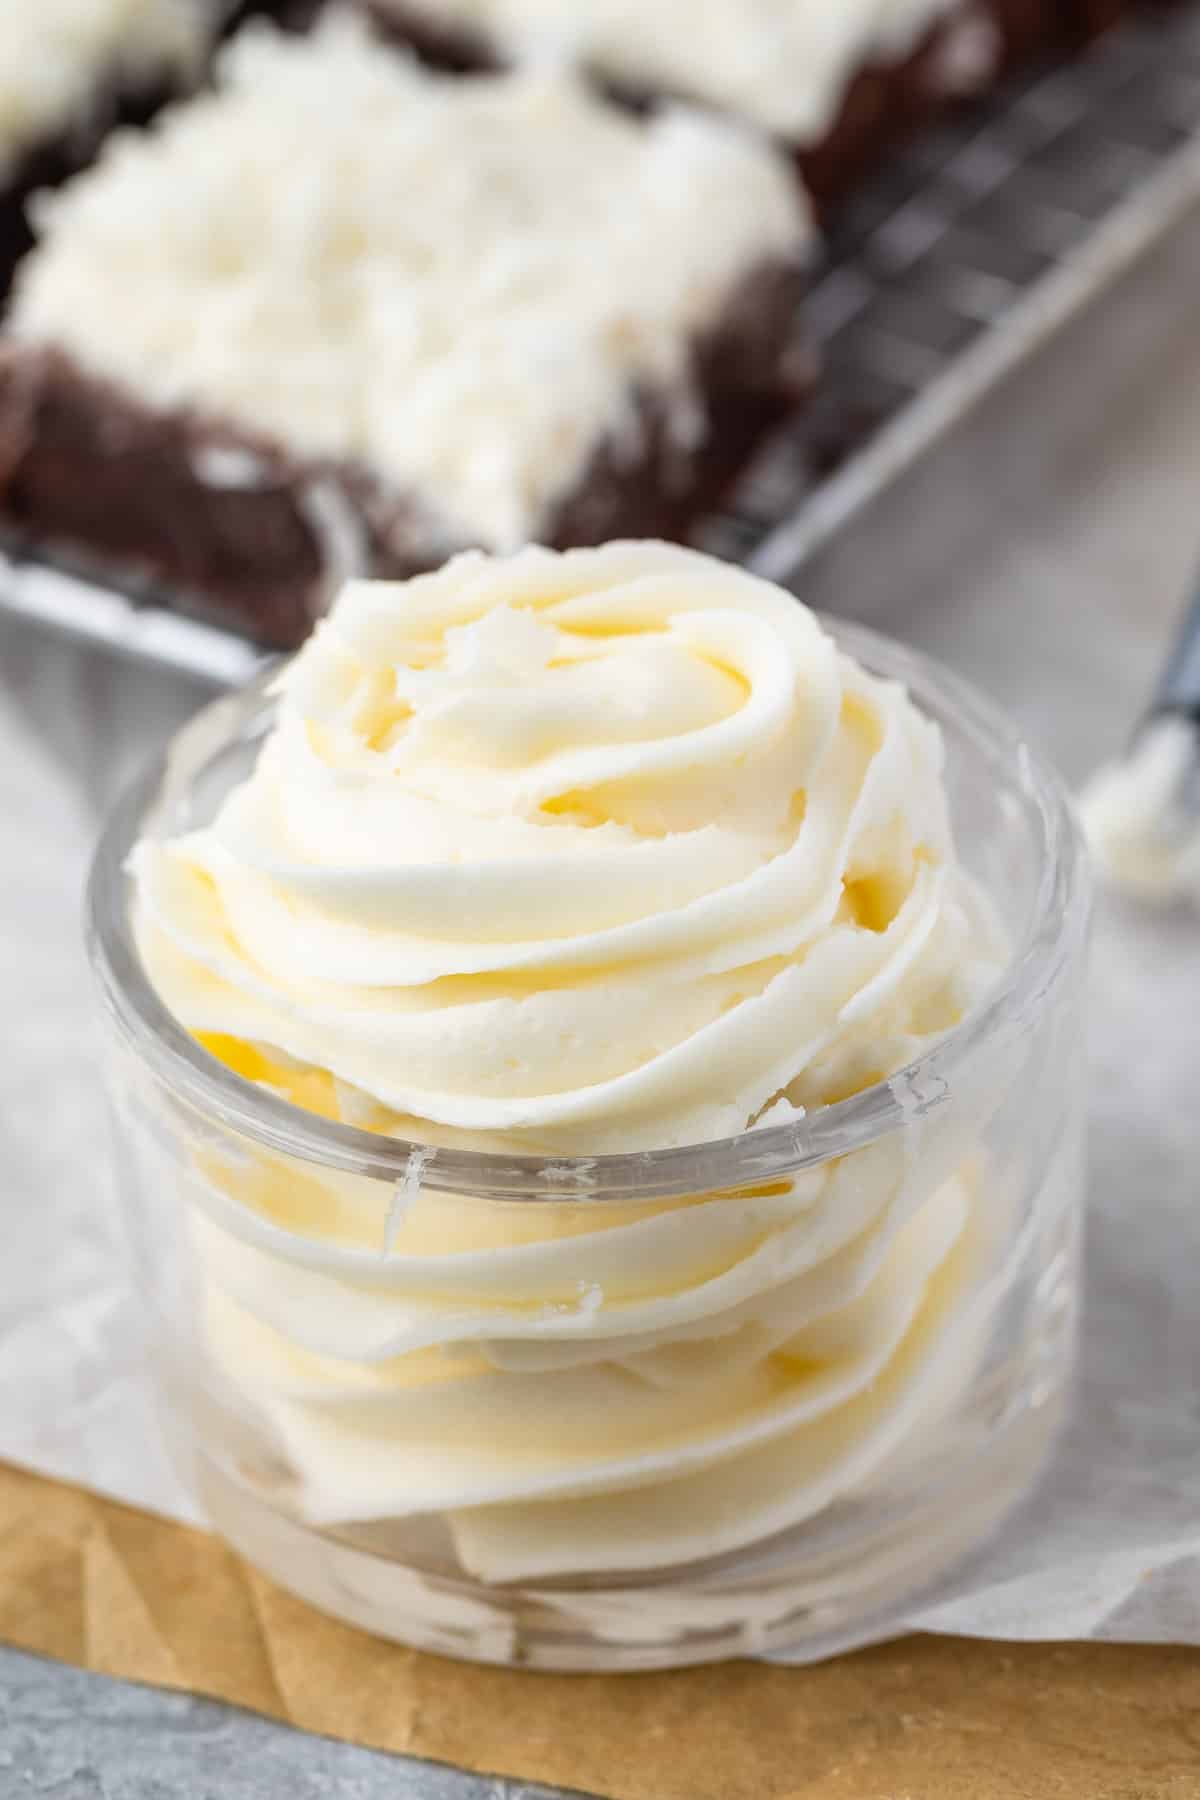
570,855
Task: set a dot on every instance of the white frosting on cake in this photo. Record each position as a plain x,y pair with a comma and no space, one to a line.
456,283
785,64
57,55
594,852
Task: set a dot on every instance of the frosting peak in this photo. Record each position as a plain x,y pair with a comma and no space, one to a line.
58,58
574,853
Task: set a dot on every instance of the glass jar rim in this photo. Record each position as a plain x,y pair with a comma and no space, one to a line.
1057,927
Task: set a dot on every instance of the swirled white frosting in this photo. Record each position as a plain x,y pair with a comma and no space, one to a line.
460,285
57,55
786,64
576,854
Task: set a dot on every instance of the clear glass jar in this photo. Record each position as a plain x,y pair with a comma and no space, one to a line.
778,1489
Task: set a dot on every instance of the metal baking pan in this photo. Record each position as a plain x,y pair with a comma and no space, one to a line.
949,273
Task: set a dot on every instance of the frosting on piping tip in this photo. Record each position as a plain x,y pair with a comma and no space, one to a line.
570,854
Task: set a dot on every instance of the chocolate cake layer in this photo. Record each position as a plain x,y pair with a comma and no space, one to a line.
887,103
218,521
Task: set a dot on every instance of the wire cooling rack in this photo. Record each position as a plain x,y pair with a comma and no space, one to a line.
962,259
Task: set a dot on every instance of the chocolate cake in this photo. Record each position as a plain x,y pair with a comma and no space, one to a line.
346,315
838,84
72,69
